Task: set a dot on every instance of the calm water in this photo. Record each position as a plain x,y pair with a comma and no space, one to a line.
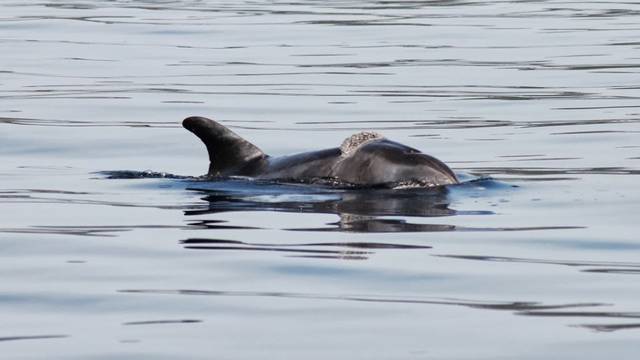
537,258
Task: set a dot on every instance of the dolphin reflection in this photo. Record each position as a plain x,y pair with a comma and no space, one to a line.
357,210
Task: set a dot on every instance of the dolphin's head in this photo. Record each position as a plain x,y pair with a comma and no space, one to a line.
382,161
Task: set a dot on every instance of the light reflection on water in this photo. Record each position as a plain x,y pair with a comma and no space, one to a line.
538,99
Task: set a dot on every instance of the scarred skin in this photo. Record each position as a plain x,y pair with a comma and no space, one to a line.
373,162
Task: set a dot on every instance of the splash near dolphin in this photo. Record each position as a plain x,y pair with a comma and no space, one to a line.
365,159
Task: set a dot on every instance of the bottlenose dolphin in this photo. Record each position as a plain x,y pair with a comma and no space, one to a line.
364,159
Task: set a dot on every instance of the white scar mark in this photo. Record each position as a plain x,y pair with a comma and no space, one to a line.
353,142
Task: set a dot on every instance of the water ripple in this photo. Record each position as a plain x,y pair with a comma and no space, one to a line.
524,308
608,267
346,249
32,337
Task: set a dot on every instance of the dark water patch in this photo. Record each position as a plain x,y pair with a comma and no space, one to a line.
276,74
553,123
369,22
86,59
417,124
522,156
87,123
30,199
596,314
378,226
373,124
583,30
44,191
395,10
76,97
517,65
118,44
577,56
531,173
601,66
595,132
609,327
182,102
521,228
485,139
527,308
213,224
547,159
432,136
108,90
278,249
66,5
163,322
479,304
62,231
470,95
344,251
444,46
392,226
322,55
401,5
99,19
597,107
45,167
341,256
129,341
607,267
32,337
103,230
539,179
604,270
624,43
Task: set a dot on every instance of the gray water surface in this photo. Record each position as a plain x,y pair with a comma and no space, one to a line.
535,104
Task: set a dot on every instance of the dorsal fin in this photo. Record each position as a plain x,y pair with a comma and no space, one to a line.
228,152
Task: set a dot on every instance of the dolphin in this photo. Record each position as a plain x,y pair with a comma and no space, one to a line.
365,159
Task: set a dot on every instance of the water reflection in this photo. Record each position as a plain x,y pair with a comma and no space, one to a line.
358,210
609,267
377,202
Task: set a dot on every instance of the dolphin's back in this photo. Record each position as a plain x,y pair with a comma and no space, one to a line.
305,166
365,159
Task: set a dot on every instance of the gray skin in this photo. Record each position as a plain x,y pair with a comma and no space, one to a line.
374,162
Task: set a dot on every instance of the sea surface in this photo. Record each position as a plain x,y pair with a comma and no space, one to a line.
111,247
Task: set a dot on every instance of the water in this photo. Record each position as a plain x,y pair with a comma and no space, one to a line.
536,259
